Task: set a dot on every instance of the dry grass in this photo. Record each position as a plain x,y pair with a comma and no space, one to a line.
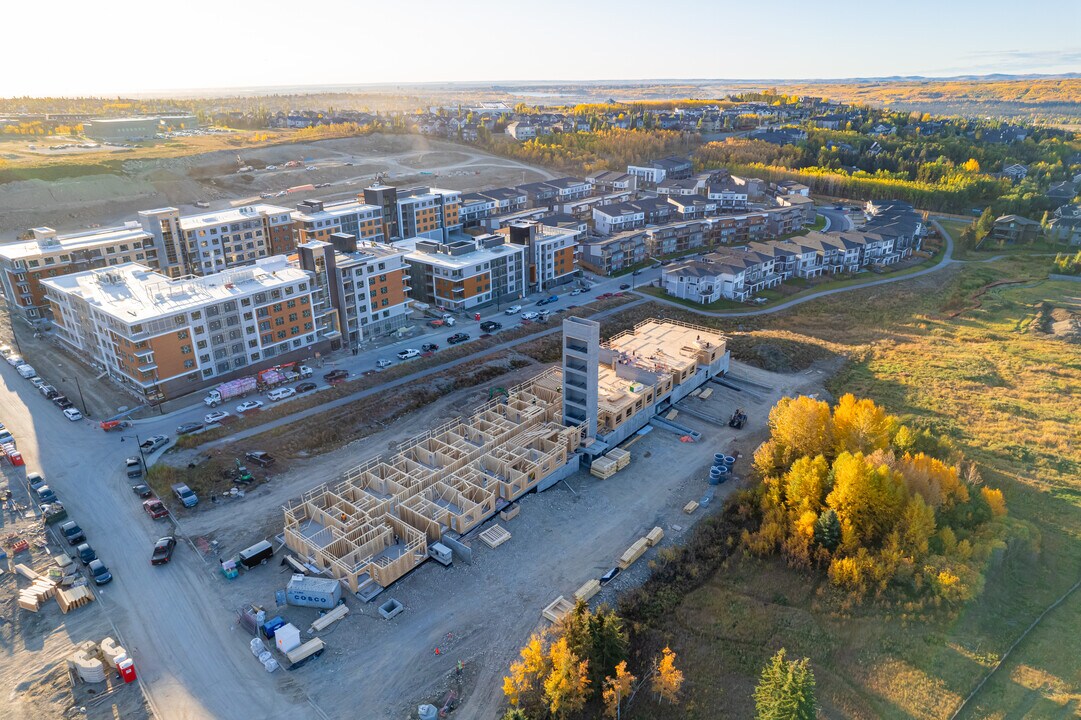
1007,396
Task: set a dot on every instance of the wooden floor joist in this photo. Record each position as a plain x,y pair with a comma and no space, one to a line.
557,609
690,507
655,536
494,536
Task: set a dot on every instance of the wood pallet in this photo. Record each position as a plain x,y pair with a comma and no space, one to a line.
706,393
632,553
74,598
696,392
672,414
494,536
557,609
622,458
690,507
588,590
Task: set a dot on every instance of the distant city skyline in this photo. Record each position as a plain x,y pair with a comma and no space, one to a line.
133,47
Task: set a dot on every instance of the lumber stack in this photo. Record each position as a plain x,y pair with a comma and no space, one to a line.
696,392
329,618
632,553
74,598
40,590
588,590
494,536
603,467
672,414
557,609
706,393
654,536
622,457
690,507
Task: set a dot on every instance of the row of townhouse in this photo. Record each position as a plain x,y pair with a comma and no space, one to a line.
653,173
736,225
738,273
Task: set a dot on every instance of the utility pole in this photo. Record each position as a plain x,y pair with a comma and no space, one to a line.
79,387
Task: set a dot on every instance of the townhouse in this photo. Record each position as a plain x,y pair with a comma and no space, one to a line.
364,286
653,173
1065,226
479,206
729,196
318,220
521,130
618,217
608,181
1013,229
607,255
465,271
553,192
164,337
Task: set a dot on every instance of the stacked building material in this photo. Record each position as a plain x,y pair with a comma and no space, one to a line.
557,609
603,467
632,553
588,590
74,598
654,536
622,457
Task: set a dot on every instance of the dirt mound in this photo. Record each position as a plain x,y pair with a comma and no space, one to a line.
1060,323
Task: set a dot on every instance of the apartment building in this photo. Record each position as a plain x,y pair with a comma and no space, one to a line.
164,337
618,218
318,220
553,192
681,237
656,172
729,196
429,213
607,255
609,181
364,286
465,271
386,198
224,239
550,253
25,264
475,209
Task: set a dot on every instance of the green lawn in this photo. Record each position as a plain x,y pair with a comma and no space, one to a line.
990,249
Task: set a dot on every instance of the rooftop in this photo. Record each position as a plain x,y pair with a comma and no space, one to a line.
48,241
232,215
460,252
132,292
337,209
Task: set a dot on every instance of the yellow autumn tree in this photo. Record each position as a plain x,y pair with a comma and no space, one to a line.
971,166
522,686
805,484
668,679
565,688
617,689
867,500
995,501
860,425
801,426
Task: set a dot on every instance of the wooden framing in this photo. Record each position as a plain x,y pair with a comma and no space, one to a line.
375,523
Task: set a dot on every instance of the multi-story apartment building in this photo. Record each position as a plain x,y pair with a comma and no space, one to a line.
550,253
654,173
617,218
607,255
466,271
429,213
475,209
681,237
364,285
165,337
25,264
317,220
506,199
224,239
547,193
386,197
729,196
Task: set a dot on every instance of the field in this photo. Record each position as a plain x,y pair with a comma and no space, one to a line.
978,363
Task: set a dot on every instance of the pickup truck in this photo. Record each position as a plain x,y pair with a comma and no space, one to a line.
185,495
134,467
153,443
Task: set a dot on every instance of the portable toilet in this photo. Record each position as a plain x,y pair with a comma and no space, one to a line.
287,638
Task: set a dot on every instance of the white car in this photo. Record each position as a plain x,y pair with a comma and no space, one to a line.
249,405
280,394
72,414
408,354
215,417
530,316
36,381
513,310
310,167
15,360
577,291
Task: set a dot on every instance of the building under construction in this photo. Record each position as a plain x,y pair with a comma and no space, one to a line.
375,524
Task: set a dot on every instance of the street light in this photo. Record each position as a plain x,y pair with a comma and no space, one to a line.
139,443
79,387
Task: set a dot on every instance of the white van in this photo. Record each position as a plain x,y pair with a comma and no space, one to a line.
26,371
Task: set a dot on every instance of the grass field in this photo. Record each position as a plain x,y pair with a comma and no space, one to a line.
972,363
990,249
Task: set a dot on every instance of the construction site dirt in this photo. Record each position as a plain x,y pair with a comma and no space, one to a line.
479,614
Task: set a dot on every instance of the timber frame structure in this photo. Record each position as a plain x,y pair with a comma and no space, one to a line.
375,524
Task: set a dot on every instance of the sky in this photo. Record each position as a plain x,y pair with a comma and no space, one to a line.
71,47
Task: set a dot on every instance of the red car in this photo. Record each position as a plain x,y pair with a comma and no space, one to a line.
155,508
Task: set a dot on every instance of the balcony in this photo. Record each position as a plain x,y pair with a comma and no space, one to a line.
149,367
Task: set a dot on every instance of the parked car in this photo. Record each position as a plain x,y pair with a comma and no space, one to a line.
155,508
73,414
154,442
636,272
490,326
62,402
577,291
260,458
46,494
458,338
429,347
529,316
72,532
86,554
99,573
513,310
408,354
306,387
336,375
185,494
248,405
188,427
383,363
543,314
281,393
134,467
625,286
163,551
36,381
142,490
48,391
217,416
15,360
34,480
26,371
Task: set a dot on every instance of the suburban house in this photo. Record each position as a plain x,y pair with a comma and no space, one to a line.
1062,192
521,130
1012,229
612,181
1015,172
1065,227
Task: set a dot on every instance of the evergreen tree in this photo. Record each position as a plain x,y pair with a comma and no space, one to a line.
827,531
786,690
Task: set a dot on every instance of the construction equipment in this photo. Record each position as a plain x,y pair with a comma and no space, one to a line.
240,474
738,419
113,425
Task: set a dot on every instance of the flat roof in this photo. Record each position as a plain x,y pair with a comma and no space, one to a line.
345,207
666,341
129,232
230,215
456,261
132,292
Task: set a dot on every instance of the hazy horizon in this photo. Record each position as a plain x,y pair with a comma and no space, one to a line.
217,47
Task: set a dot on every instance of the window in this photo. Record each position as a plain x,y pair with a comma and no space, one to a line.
279,321
307,326
185,349
281,334
294,330
277,307
263,312
253,343
292,317
291,304
189,364
182,335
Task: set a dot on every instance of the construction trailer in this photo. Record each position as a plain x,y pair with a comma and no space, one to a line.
375,524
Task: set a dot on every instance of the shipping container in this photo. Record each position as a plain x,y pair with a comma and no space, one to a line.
313,592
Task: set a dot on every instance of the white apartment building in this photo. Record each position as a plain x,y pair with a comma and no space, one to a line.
318,220
551,253
466,271
223,239
618,217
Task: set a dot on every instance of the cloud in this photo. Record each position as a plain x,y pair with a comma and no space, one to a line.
1022,60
